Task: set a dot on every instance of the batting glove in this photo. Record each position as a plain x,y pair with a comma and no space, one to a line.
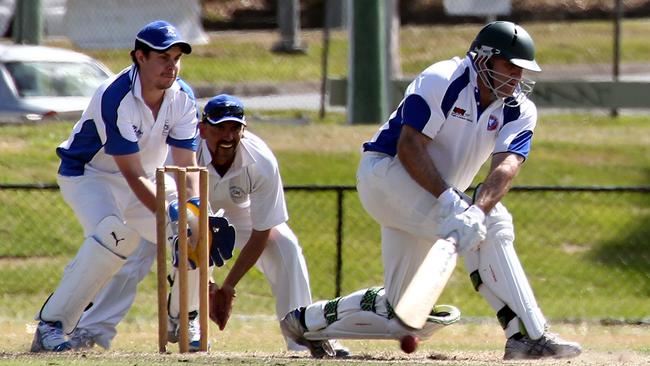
467,227
452,202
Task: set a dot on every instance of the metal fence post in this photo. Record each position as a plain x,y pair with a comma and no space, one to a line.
339,239
28,22
367,57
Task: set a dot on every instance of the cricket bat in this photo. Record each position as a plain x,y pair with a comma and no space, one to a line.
426,286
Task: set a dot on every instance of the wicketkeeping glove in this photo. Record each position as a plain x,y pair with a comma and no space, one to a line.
223,239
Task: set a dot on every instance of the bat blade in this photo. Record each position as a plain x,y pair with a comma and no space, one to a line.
427,284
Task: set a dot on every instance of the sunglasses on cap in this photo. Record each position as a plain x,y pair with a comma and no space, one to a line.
221,113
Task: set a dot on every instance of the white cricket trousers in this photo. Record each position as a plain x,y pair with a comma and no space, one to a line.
282,262
408,216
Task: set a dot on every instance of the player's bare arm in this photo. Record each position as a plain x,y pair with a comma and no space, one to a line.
248,256
504,168
184,158
131,168
412,152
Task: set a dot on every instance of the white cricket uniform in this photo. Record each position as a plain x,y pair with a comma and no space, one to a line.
117,122
442,103
252,196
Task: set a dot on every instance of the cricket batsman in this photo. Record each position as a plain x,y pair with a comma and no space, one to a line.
454,116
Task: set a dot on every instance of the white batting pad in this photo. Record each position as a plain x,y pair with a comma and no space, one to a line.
192,293
369,325
82,279
501,271
114,235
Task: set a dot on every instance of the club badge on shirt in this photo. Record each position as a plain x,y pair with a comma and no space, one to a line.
493,123
237,194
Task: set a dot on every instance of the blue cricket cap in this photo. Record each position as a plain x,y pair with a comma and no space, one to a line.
161,35
222,108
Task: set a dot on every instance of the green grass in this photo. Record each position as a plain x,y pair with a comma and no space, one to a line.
234,57
597,242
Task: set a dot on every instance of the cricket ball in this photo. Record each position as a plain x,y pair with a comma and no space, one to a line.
409,343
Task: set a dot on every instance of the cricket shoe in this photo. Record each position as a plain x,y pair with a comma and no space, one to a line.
549,345
81,339
294,330
49,337
340,350
194,331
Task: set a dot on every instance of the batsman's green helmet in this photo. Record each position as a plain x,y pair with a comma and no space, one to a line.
508,40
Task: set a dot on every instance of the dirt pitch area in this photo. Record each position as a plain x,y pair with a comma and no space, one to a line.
464,358
258,342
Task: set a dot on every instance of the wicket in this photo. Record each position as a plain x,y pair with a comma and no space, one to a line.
203,250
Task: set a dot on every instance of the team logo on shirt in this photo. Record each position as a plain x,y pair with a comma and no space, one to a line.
237,194
493,123
461,113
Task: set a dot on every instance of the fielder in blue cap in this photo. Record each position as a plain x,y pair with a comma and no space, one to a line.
160,35
106,175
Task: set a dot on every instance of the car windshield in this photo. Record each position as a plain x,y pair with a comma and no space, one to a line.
55,79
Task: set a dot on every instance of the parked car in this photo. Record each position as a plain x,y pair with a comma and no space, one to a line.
38,82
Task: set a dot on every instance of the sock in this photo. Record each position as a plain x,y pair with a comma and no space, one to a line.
517,336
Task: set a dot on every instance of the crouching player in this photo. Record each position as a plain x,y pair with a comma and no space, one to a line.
245,181
106,176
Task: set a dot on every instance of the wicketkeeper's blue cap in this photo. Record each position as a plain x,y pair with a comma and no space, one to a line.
161,35
222,108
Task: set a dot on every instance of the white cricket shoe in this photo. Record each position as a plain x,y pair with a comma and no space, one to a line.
292,329
549,345
194,331
49,337
81,339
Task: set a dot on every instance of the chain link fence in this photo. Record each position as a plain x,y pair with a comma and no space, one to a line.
585,251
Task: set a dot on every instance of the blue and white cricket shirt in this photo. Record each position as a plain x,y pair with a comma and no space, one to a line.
442,103
118,122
